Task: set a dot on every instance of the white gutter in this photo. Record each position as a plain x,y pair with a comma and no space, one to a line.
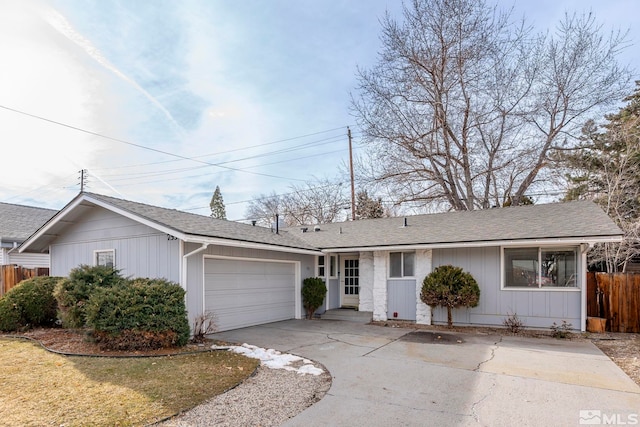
252,245
584,248
520,243
183,277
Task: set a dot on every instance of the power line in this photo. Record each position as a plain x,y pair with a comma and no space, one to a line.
122,141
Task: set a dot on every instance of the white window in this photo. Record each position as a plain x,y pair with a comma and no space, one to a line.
401,264
105,257
536,267
320,268
322,265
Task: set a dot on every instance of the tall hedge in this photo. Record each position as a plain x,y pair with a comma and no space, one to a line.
313,293
29,304
73,293
139,314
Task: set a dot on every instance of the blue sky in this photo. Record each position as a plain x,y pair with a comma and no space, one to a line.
259,88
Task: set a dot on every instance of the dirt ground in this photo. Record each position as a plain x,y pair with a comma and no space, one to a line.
69,341
622,349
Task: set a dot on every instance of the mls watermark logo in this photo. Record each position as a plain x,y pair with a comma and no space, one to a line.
596,417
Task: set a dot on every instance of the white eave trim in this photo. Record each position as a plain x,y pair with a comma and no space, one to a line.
250,245
505,243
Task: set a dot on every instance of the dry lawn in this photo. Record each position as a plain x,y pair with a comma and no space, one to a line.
39,388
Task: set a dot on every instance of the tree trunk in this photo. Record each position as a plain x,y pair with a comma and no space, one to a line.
449,317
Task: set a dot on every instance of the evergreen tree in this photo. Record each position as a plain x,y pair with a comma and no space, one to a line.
367,208
607,170
217,205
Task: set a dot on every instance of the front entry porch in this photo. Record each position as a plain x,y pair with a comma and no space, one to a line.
347,314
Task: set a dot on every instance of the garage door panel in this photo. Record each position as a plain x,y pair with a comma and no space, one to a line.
249,292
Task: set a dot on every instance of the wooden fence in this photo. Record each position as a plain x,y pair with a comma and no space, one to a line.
615,297
12,274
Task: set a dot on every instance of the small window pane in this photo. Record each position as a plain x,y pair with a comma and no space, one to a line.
332,266
558,268
407,263
105,258
521,267
395,264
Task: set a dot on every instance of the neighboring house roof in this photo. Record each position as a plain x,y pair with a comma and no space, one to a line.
580,221
18,222
186,226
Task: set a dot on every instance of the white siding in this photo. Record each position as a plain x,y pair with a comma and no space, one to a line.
28,260
140,251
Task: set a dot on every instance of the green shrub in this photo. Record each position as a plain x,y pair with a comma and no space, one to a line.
140,314
29,304
450,287
73,293
313,293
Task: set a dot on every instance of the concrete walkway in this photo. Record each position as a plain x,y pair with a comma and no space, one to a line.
391,376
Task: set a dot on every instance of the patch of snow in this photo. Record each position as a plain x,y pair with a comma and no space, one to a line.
274,359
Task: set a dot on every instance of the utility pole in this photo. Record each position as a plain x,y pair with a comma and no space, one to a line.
83,179
353,191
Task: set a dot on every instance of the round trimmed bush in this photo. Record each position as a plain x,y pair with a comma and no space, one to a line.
140,314
450,287
29,304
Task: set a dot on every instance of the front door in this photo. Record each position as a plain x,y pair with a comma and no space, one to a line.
350,282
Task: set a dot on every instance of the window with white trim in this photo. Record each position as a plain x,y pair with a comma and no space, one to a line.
106,258
401,264
320,269
536,267
322,266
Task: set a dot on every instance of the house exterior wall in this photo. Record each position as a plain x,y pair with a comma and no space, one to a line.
401,299
366,281
380,285
195,270
140,251
27,260
333,291
423,268
537,308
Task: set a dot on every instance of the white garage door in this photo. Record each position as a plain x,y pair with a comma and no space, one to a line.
246,292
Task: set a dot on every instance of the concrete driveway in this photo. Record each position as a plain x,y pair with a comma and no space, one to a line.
402,377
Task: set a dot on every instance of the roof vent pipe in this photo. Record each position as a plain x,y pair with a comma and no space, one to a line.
316,228
277,224
340,232
304,229
253,222
405,222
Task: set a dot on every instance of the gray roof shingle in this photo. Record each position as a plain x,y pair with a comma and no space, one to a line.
18,222
579,219
199,225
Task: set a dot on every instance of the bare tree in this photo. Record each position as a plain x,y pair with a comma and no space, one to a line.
317,202
368,207
467,109
264,208
607,170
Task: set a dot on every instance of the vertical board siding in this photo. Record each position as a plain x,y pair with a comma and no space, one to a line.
401,299
140,251
538,309
334,293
